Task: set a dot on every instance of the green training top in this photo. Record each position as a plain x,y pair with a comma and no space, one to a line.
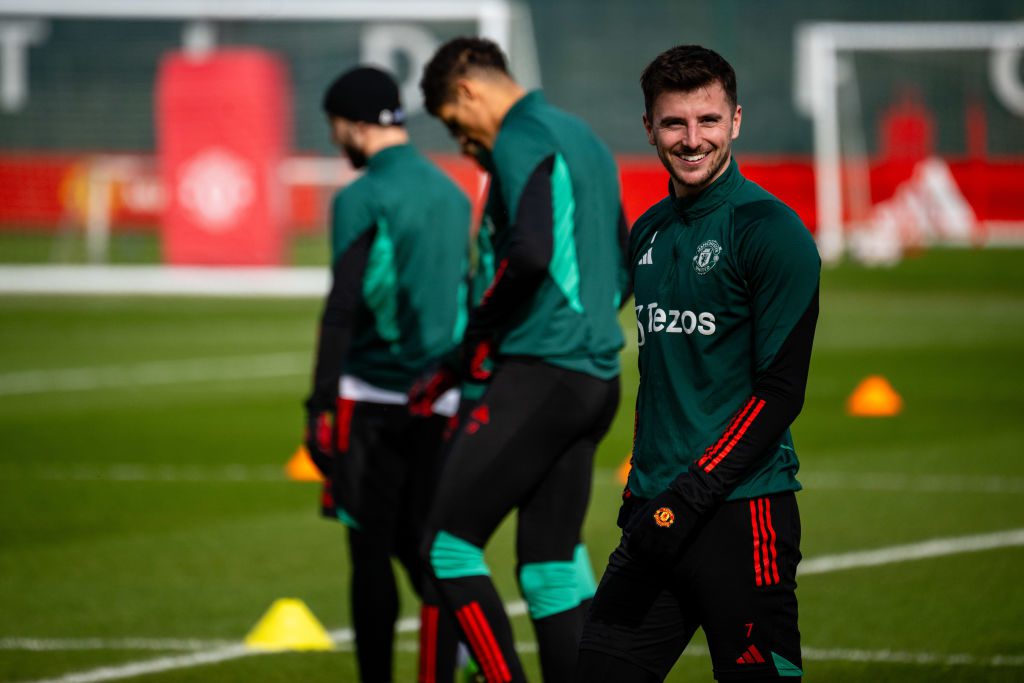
571,321
721,281
414,290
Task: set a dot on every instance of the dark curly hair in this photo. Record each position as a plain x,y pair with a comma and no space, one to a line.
685,68
453,60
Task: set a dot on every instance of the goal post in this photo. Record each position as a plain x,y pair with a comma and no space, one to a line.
100,157
821,54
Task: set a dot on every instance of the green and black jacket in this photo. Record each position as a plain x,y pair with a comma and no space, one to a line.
726,287
398,299
552,243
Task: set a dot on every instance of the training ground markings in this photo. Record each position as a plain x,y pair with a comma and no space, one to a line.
820,565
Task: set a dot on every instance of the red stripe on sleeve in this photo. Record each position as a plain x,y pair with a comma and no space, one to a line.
735,439
494,283
736,421
757,542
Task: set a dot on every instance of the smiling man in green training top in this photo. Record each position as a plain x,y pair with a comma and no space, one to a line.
726,284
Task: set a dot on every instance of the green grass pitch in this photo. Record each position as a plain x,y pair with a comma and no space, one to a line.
142,496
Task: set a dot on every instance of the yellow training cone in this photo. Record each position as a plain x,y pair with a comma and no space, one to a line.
301,467
289,625
874,397
622,473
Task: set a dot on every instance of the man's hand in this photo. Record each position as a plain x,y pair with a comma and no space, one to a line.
428,389
475,353
318,439
659,530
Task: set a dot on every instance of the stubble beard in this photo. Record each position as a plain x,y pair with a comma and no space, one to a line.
355,157
720,159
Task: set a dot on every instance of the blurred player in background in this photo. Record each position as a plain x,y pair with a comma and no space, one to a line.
397,303
726,284
554,236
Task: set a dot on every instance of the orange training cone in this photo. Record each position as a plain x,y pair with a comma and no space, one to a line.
288,625
874,397
622,473
301,467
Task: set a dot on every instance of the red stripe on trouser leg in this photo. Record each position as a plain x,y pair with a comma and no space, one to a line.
428,644
757,542
765,541
345,408
771,532
736,421
483,643
491,643
473,640
735,439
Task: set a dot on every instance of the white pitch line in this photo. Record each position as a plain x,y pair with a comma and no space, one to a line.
922,483
820,565
914,551
167,472
920,658
71,644
152,373
146,472
243,282
158,665
833,654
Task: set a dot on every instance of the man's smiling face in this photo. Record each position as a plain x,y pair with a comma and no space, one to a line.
693,133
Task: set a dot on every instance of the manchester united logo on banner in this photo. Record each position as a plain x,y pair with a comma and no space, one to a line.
215,186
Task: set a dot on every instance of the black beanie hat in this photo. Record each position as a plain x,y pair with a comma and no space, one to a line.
365,94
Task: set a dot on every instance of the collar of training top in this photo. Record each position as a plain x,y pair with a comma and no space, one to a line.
711,197
534,98
390,155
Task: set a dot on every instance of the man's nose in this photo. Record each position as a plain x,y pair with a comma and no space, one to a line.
691,137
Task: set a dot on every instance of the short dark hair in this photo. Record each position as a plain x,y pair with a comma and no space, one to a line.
453,60
685,68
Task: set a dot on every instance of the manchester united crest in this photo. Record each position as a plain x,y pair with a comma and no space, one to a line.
707,256
664,517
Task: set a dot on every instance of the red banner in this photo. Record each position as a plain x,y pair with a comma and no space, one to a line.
45,192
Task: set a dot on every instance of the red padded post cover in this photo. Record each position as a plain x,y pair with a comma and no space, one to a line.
223,126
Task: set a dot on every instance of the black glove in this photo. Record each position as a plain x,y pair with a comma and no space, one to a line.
429,388
659,530
475,356
319,438
471,361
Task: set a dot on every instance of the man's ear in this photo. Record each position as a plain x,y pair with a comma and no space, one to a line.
465,88
649,127
737,119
